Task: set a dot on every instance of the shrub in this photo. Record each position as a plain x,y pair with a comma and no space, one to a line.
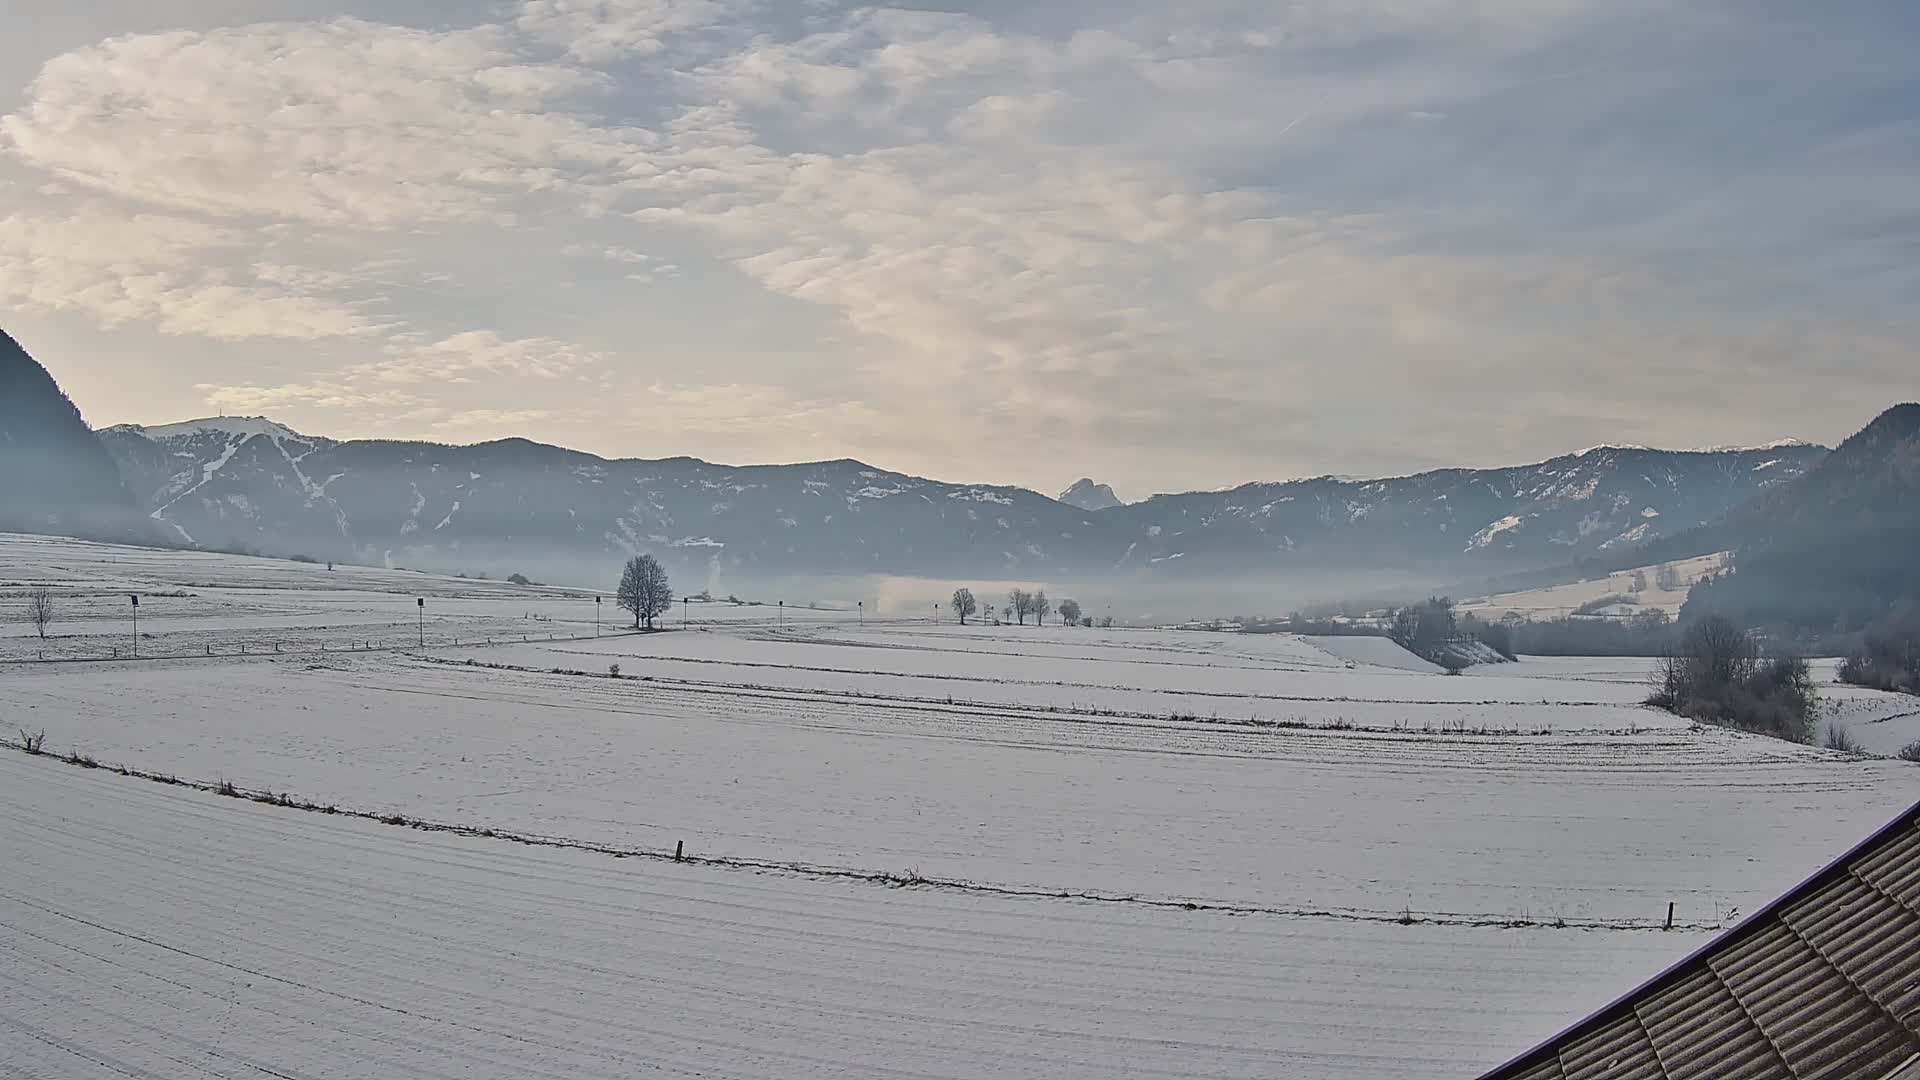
1496,636
32,743
518,579
1911,752
1424,629
1715,675
613,670
1889,655
1838,738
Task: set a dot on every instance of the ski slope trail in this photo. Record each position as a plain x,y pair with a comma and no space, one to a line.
150,931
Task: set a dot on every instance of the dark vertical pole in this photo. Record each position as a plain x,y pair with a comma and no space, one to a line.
684,602
863,612
136,625
679,850
421,603
1669,914
783,613
596,616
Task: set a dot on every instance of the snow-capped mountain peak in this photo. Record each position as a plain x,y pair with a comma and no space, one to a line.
1087,495
231,426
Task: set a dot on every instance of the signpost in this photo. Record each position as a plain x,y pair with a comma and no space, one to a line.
596,616
136,625
421,603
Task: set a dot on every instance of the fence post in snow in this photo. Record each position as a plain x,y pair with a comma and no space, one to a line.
1669,914
679,851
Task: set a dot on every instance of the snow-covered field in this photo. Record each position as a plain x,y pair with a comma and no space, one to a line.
1559,601
1132,852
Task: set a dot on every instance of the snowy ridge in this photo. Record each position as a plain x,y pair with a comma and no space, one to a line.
241,426
840,516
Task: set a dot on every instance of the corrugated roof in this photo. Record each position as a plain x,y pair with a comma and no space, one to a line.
1822,983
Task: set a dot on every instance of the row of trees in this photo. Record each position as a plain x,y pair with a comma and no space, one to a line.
1020,604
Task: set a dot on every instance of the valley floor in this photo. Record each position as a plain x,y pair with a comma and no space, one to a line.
921,850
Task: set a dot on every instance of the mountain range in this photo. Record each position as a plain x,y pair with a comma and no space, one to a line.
252,484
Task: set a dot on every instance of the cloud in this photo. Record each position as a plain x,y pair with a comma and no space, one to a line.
342,124
1223,241
165,271
596,31
462,356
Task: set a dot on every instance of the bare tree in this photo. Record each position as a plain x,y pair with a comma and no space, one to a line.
1070,612
1667,578
964,604
1040,606
40,611
1020,603
644,590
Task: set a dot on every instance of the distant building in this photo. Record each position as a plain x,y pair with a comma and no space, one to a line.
1822,983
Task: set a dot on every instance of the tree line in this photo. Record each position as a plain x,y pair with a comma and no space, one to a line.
1021,604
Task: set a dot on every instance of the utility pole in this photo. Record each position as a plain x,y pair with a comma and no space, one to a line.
684,601
783,613
863,612
136,625
420,603
596,616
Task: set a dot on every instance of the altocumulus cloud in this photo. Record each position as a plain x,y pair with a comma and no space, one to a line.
1181,247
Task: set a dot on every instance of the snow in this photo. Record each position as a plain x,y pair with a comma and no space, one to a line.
981,496
207,473
235,427
1377,651
1880,722
1323,788
138,936
1559,601
1486,536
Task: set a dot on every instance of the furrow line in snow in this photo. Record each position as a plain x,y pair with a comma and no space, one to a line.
891,879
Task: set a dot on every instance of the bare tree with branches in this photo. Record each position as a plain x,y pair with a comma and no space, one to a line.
644,590
964,604
40,611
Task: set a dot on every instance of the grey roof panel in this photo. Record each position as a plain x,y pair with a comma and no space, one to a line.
1620,1051
1821,984
1704,1034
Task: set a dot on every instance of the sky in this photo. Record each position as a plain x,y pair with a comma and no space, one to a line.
1167,246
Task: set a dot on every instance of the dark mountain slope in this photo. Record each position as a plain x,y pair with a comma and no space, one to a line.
1837,548
54,474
